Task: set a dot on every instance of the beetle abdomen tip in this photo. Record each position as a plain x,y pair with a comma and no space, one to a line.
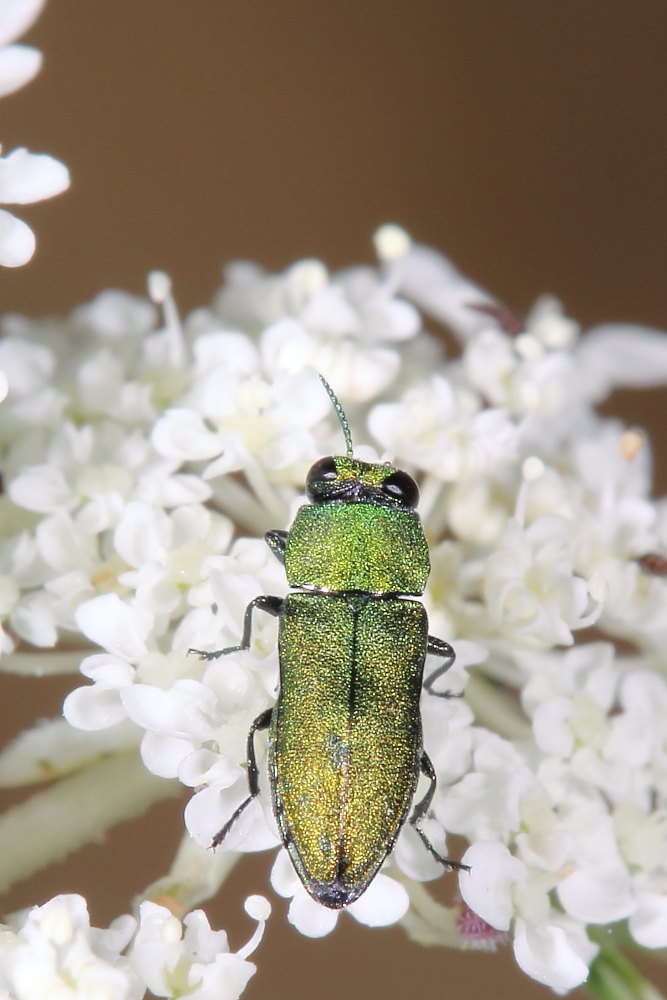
336,894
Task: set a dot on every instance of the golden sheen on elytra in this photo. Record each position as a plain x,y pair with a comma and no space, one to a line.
346,731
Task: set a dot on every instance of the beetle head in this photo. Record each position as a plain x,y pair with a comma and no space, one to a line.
341,479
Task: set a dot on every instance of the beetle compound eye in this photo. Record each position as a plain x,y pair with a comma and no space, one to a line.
324,468
402,488
321,474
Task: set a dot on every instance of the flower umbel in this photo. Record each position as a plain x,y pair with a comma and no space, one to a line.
52,950
144,458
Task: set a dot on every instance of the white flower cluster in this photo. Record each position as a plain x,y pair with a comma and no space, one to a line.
24,177
52,951
143,465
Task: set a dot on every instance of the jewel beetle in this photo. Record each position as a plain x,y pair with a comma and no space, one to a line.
345,735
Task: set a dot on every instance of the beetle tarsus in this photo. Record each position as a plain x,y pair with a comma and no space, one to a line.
452,866
262,721
272,606
420,811
204,654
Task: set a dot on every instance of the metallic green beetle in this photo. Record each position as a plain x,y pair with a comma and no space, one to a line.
345,736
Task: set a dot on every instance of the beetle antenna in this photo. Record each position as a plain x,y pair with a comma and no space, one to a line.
341,416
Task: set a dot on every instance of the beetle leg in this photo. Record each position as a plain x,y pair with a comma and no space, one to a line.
262,721
440,648
422,808
272,605
277,542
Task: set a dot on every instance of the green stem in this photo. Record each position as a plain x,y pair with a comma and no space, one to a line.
496,709
428,922
195,875
75,811
614,977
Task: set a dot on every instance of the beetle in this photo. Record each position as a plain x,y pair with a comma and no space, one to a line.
345,737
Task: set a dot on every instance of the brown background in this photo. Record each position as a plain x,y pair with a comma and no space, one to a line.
526,139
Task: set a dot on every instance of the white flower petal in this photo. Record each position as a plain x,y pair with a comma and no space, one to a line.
622,354
487,887
99,706
182,434
182,711
142,534
431,280
26,177
17,240
18,65
162,490
115,625
310,918
597,897
191,959
557,954
551,725
116,315
283,877
162,755
411,855
207,812
233,351
211,808
383,903
42,488
648,924
208,767
29,366
33,620
54,944
16,16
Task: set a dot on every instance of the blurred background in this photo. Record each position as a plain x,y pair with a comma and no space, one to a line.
526,140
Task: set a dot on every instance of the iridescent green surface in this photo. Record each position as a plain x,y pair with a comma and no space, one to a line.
346,734
357,546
